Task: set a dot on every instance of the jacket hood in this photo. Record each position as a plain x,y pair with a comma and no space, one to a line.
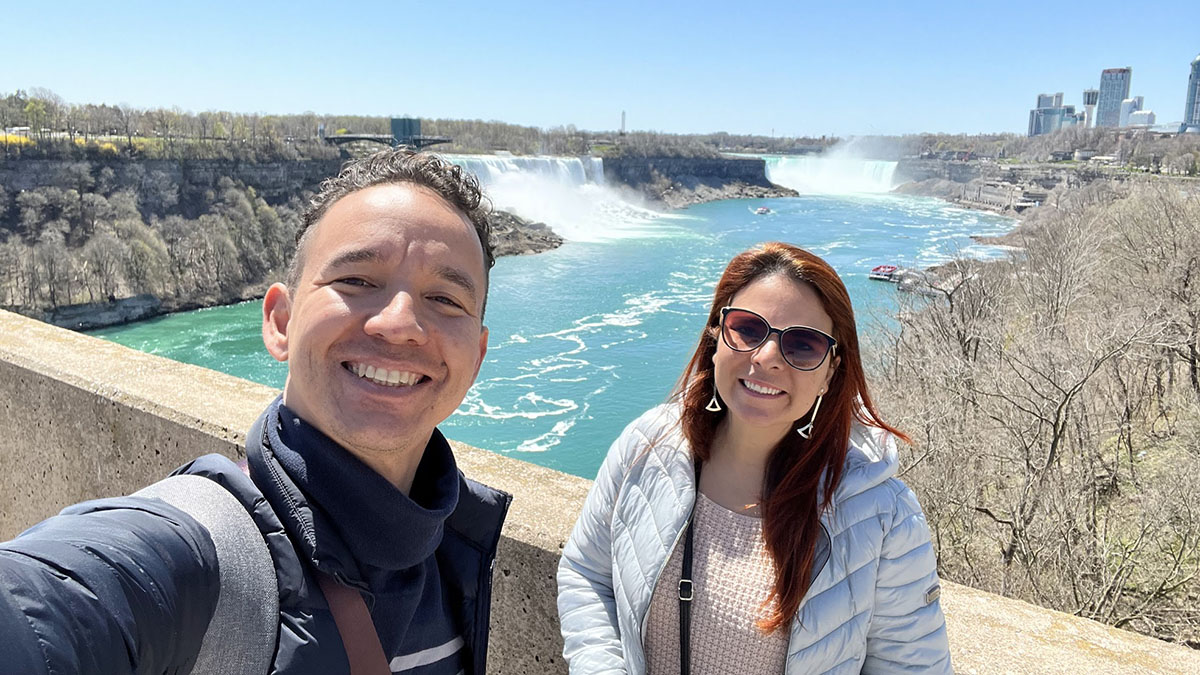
871,460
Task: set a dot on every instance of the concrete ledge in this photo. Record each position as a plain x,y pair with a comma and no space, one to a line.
85,418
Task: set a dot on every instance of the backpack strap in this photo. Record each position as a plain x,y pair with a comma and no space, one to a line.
244,627
359,637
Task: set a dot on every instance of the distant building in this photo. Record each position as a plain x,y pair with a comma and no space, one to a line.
1141,118
1090,96
1191,112
1114,88
1050,100
1049,120
1128,107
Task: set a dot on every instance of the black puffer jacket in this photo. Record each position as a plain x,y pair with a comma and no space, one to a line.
127,585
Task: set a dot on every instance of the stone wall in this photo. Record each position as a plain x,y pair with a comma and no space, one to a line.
85,418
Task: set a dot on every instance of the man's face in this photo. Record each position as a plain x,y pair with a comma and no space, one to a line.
383,333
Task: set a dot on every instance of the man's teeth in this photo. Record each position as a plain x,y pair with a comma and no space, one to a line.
758,388
388,378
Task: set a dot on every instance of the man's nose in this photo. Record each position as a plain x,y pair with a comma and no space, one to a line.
397,321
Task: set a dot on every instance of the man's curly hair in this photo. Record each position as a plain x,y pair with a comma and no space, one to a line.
400,165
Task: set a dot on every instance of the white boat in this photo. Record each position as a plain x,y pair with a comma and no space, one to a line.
884,273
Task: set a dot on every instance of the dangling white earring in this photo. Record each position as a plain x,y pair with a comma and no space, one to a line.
713,405
806,430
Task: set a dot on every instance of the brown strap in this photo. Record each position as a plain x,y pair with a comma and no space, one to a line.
354,624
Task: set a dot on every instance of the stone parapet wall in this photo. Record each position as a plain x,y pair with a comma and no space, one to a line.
85,418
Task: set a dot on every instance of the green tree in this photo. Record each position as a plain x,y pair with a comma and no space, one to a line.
35,115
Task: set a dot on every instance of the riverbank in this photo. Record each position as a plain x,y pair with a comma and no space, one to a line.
678,195
511,236
952,192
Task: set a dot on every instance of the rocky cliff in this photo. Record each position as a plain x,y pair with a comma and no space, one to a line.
677,182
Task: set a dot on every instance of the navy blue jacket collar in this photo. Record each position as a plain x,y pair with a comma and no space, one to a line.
325,489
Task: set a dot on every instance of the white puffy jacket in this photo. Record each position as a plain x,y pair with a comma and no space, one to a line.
872,607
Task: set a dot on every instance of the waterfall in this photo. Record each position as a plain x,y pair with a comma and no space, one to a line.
830,175
495,169
567,193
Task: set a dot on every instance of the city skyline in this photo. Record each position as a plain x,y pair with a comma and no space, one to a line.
782,69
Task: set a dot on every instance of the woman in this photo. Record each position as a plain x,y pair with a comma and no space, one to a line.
807,554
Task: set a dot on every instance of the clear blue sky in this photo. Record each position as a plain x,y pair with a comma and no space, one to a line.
795,68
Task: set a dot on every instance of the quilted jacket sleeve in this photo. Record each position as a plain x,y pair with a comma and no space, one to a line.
907,631
586,603
121,585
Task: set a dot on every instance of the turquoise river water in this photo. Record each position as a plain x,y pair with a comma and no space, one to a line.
586,337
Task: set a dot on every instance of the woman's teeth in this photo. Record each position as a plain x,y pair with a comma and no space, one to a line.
760,389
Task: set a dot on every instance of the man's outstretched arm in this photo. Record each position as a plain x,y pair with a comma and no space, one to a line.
124,585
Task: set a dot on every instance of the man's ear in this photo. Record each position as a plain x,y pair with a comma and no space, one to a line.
483,340
277,311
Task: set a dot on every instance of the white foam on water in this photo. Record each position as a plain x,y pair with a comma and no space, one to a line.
547,440
474,406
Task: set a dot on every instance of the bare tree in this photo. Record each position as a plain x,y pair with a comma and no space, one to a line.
1053,455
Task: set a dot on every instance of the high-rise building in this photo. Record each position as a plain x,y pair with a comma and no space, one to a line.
1049,100
1089,107
1114,88
1049,120
1141,118
1191,112
1128,107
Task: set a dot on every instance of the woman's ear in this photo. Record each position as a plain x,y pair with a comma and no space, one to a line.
833,366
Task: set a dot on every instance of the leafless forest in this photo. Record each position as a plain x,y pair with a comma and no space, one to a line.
1054,403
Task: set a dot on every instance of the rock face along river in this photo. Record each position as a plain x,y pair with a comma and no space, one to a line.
586,337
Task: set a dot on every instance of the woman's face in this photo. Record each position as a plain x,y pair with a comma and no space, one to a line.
765,395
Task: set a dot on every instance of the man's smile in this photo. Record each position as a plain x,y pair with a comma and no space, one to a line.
384,376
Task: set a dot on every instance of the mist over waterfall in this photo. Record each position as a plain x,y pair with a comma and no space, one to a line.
493,169
567,193
831,174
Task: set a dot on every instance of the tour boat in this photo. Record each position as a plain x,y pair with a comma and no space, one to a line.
883,273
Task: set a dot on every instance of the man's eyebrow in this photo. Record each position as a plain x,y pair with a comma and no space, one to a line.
357,255
458,278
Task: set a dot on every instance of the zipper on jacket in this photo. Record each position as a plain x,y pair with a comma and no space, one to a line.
662,568
483,611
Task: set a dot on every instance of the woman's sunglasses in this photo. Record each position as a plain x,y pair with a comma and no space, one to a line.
802,347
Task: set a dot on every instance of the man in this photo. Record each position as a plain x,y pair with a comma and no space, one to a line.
350,482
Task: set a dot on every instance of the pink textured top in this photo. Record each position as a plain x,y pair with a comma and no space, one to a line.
732,577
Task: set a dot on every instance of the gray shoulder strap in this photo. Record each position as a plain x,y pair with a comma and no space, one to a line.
241,636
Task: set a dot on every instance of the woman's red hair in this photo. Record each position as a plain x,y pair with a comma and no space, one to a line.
799,469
